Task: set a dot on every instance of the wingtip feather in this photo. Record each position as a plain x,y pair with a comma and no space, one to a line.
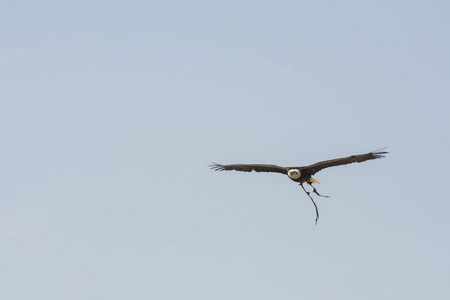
379,152
216,167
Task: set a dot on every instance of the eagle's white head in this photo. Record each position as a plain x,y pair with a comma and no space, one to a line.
294,174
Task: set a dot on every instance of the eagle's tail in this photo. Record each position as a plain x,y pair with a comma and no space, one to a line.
312,181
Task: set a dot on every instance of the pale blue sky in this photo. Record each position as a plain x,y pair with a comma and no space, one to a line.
110,112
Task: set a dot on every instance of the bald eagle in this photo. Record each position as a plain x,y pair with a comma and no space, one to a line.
303,174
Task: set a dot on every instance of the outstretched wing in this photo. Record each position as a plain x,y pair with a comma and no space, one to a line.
314,168
249,168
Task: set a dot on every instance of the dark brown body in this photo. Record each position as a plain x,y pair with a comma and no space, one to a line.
304,177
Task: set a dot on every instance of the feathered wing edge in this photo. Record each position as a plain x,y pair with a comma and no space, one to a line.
314,168
249,168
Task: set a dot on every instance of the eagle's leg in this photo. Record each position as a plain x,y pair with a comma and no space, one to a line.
317,210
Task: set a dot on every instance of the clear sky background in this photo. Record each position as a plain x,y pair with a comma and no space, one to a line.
111,111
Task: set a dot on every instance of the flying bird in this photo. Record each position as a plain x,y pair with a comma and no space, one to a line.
303,174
